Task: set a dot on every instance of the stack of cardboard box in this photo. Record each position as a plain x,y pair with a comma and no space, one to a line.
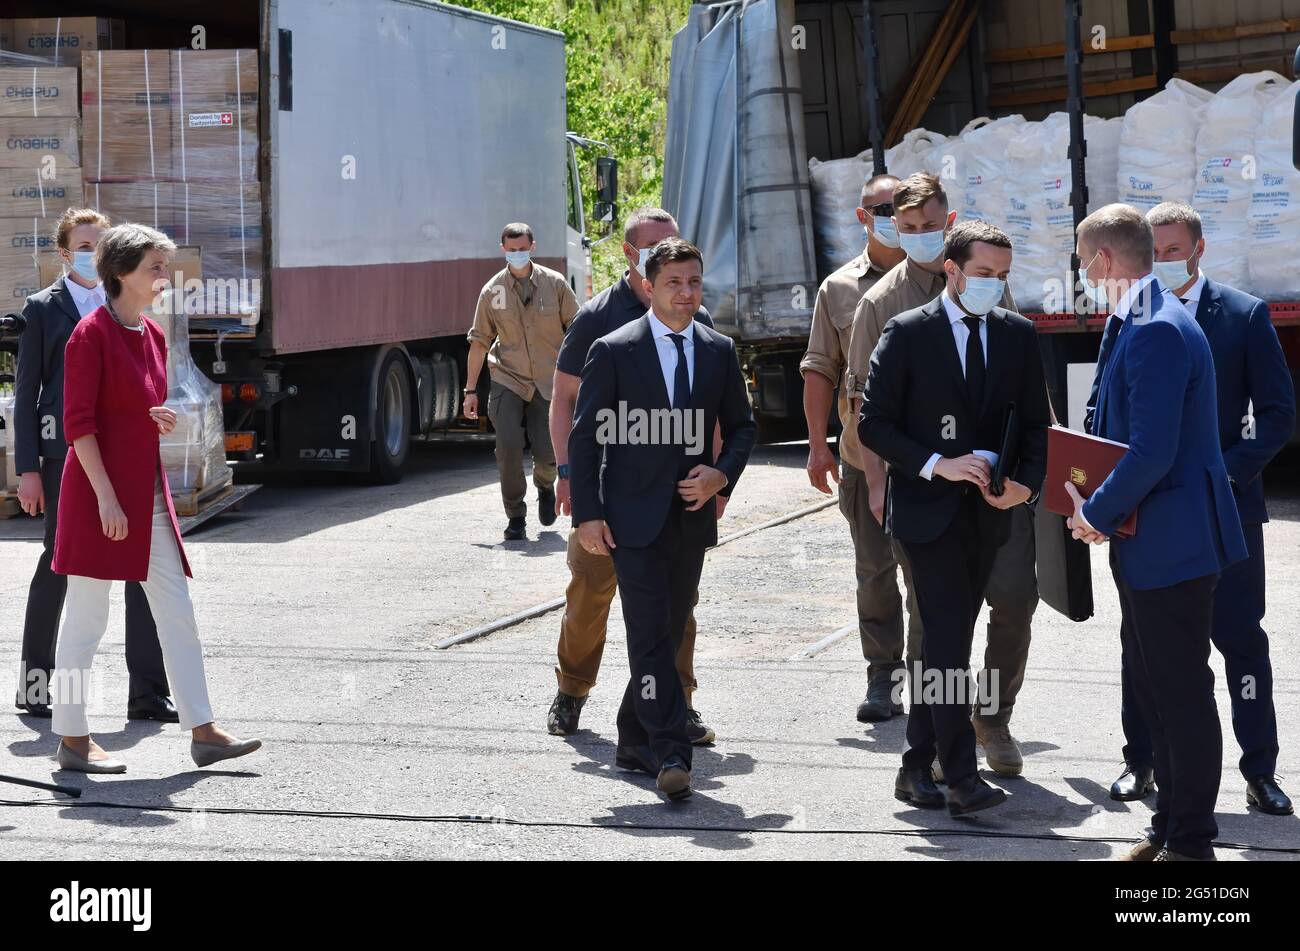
40,136
170,140
40,169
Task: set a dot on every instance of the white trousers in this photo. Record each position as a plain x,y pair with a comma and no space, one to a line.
85,619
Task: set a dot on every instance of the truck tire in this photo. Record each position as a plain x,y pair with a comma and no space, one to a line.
392,420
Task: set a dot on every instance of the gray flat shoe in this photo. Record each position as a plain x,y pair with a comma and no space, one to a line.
77,763
205,754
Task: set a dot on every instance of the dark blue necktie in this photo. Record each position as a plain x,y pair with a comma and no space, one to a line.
1113,326
975,366
682,378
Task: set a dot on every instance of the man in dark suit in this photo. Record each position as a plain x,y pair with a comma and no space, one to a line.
39,453
1256,402
652,393
1156,393
940,383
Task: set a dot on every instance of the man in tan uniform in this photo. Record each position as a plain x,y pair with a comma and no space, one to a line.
824,368
922,216
519,325
592,583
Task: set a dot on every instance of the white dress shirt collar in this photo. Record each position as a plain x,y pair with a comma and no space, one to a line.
87,299
1193,294
1126,302
955,313
667,352
660,329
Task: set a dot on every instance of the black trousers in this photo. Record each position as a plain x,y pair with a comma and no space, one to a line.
950,575
144,660
1166,641
1239,636
657,586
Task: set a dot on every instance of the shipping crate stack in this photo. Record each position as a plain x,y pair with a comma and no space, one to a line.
40,133
170,140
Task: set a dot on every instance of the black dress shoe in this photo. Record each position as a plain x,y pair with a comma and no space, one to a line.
879,703
546,506
638,759
562,718
515,529
916,788
674,779
1264,794
971,795
155,707
38,710
1136,782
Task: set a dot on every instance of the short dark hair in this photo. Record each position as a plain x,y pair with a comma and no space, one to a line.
641,216
1176,212
873,182
917,190
517,229
668,251
957,244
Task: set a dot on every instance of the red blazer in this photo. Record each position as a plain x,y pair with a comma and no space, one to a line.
112,376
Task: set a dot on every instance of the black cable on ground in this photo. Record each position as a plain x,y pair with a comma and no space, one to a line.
622,826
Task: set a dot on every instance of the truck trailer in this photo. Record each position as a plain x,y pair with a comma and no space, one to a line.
759,87
395,138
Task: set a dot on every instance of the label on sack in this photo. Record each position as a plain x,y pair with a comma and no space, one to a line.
204,120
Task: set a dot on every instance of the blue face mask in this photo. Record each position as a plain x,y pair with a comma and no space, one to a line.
643,255
518,259
886,232
1172,274
83,262
922,248
981,294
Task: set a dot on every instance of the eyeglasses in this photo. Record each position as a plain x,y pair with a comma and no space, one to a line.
881,210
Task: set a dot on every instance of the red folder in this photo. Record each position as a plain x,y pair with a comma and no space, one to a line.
1085,461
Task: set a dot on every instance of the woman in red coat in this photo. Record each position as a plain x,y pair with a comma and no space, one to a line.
116,520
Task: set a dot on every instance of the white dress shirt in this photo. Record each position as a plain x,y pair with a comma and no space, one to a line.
1125,303
1192,296
667,351
87,299
961,336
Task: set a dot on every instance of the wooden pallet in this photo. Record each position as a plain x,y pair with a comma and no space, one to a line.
191,503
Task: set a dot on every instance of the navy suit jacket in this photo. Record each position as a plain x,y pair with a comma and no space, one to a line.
1157,393
1251,369
633,490
38,385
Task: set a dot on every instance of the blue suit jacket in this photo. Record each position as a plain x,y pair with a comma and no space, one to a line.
1250,368
1157,393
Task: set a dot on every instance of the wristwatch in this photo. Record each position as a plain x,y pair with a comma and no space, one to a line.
562,471
1033,499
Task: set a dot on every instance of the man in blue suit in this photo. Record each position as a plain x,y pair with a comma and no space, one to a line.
1156,392
1256,419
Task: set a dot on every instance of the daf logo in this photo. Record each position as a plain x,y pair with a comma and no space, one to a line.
325,455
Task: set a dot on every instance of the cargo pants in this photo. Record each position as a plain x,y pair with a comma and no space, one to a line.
513,419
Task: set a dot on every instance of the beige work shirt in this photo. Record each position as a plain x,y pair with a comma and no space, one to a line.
523,342
906,287
828,340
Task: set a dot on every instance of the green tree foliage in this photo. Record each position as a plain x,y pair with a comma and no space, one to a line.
617,55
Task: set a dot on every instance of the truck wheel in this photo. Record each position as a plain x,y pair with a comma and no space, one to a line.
392,420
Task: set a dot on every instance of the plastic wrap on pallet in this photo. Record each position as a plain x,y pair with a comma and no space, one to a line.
8,473
223,219
194,453
40,190
38,92
1227,170
1039,217
170,115
1157,146
26,142
1274,213
836,192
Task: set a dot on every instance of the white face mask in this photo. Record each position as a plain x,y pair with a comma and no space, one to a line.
1172,274
642,255
1096,291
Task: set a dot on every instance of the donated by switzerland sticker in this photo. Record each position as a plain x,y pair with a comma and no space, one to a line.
199,120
